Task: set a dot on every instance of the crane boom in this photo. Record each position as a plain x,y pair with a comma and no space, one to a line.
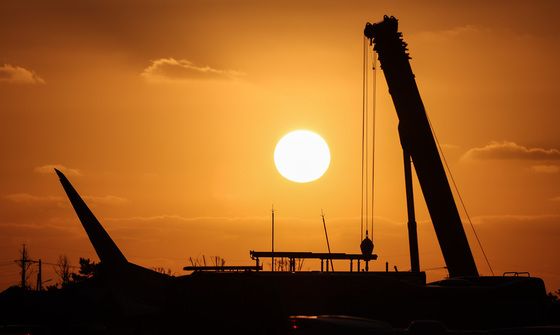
418,140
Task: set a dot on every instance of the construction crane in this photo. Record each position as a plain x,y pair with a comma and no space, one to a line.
247,301
418,142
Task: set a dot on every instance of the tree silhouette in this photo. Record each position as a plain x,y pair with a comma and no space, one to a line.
62,269
162,270
554,295
88,269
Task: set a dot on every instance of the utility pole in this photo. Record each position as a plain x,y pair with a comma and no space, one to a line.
23,262
23,270
39,277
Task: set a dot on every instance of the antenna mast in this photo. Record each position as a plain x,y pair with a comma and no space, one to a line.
327,237
272,238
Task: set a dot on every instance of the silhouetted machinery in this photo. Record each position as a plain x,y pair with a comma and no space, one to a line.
262,301
418,143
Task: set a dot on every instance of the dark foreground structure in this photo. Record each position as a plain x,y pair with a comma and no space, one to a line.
137,300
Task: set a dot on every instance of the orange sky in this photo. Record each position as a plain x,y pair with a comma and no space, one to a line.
165,115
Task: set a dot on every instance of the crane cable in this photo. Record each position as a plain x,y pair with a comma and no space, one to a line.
373,103
366,133
364,103
366,139
459,196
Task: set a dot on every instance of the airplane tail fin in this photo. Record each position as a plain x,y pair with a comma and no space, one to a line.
106,249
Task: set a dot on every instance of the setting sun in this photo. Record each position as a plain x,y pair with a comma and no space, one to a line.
196,132
302,156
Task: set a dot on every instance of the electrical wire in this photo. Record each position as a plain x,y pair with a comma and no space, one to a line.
54,264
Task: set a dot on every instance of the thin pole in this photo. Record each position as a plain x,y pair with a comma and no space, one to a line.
39,277
327,236
23,267
272,238
412,231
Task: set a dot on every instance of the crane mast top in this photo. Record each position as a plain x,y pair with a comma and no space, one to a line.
418,141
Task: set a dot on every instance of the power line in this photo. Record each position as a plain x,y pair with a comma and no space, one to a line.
71,266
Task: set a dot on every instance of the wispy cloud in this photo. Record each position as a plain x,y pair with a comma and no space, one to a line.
106,200
556,199
18,75
171,69
545,168
26,198
449,146
510,218
451,33
30,199
460,30
511,151
49,169
179,218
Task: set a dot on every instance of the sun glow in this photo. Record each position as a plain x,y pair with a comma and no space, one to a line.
302,156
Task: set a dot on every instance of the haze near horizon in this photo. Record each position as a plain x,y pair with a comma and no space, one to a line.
165,116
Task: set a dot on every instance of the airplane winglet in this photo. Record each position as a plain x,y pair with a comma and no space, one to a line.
106,249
